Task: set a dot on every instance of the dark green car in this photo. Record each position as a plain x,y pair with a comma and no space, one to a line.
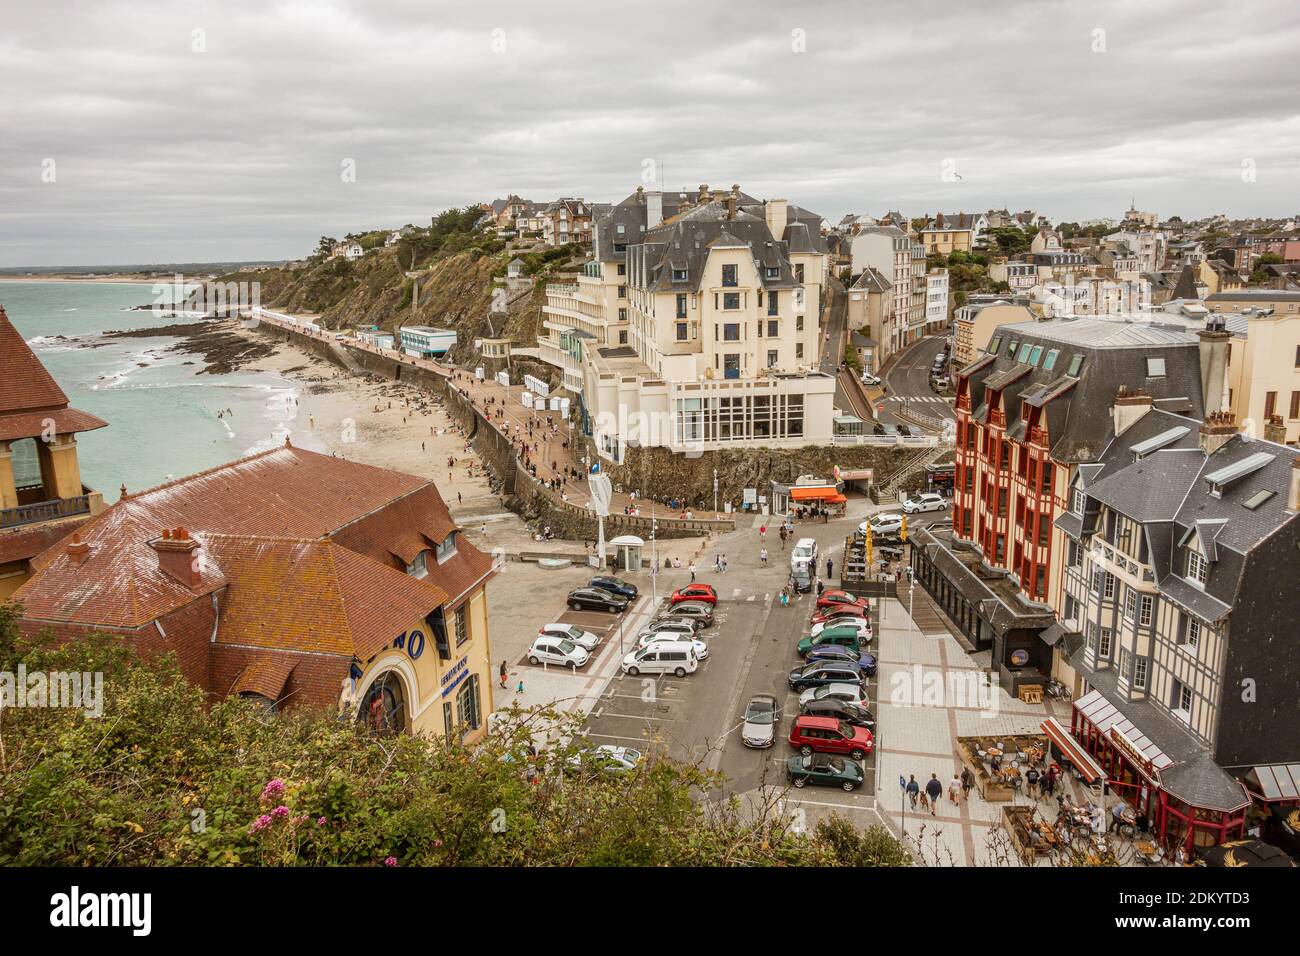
849,637
824,770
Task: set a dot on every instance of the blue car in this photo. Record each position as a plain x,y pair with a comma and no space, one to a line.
834,652
615,586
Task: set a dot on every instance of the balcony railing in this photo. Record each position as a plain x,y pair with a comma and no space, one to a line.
45,511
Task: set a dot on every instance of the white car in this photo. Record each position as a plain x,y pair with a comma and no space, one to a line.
882,524
861,625
926,502
682,629
869,379
609,757
584,639
701,649
547,649
849,692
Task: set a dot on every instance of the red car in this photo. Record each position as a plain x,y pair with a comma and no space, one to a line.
831,735
834,598
695,592
848,611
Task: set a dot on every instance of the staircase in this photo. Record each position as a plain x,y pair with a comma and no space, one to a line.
914,465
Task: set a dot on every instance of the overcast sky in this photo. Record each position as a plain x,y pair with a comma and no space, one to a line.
203,131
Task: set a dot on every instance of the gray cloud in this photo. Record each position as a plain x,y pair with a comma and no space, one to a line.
167,154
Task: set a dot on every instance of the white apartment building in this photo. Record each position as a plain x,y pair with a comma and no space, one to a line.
889,251
702,325
936,300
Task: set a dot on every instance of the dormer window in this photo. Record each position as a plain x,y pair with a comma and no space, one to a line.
772,272
419,566
448,546
1155,367
1079,499
1197,569
680,275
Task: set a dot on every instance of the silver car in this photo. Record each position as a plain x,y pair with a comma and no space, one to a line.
762,717
700,613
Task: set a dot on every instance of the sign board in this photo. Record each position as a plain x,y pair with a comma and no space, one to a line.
601,492
751,496
1130,750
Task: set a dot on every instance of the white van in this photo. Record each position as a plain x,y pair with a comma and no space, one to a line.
662,657
804,554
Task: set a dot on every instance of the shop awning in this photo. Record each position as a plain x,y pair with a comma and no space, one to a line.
1073,750
1109,720
810,493
1052,635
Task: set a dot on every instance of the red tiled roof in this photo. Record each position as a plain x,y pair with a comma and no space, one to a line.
314,595
266,676
22,544
375,515
24,382
66,421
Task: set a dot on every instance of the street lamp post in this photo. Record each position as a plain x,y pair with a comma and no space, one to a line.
715,492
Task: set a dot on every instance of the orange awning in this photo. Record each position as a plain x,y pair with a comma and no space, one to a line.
815,494
835,499
1073,750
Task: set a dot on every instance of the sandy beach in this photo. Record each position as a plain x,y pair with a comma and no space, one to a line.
381,423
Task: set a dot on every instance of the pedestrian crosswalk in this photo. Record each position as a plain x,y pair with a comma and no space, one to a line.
913,399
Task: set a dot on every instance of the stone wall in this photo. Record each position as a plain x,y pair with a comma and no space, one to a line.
644,469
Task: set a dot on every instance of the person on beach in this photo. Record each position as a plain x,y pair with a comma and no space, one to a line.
505,674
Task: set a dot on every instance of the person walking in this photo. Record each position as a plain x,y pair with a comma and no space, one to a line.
967,782
724,564
1031,783
505,673
692,567
934,790
913,789
954,788
762,532
830,566
762,556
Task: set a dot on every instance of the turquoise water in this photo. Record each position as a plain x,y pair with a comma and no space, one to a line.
162,416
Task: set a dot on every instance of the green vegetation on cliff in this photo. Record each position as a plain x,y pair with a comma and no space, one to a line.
162,778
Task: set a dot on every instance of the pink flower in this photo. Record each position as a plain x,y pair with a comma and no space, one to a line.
260,824
280,811
320,821
391,861
273,790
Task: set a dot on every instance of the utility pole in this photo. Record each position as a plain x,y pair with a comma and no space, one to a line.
715,492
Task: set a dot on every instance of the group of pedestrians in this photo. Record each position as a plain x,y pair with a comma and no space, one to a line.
929,796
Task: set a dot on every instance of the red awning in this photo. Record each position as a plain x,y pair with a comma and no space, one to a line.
835,499
815,494
1073,750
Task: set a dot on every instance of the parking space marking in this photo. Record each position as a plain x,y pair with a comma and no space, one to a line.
644,740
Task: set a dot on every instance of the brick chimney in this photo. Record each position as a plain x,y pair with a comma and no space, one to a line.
1275,429
938,220
178,556
1129,407
776,211
1293,502
1216,430
654,208
1214,363
705,195
77,549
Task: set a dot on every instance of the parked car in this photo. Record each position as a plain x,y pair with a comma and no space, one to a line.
824,672
803,553
869,379
701,649
853,693
693,610
939,383
859,625
929,501
556,650
840,610
584,639
614,586
882,525
694,592
889,431
680,627
662,657
762,718
856,714
904,430
825,770
835,597
834,652
608,757
828,735
596,599
843,636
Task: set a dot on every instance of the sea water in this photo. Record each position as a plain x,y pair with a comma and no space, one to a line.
162,415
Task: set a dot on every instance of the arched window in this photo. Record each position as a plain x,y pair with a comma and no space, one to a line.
383,709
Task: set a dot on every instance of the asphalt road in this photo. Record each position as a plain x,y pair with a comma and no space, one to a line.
909,378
